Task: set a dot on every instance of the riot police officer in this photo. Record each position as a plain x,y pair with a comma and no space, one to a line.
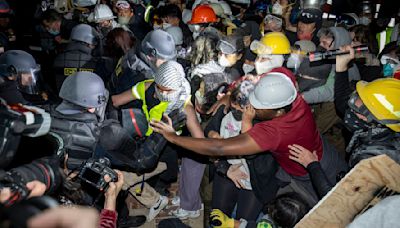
20,79
78,56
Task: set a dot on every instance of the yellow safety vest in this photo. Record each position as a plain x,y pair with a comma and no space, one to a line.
155,113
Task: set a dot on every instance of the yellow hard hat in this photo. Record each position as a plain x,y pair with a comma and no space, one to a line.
275,43
382,98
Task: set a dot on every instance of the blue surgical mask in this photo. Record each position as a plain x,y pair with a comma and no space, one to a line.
54,32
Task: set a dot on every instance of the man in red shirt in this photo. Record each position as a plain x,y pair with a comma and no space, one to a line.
286,120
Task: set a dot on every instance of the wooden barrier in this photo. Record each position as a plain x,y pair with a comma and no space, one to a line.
354,193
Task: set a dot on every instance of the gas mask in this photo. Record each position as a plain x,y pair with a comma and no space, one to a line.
266,66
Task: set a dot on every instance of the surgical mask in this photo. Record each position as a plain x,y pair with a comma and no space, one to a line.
166,25
237,114
277,8
123,20
54,32
364,21
223,61
247,68
294,61
195,35
305,36
200,98
168,97
266,66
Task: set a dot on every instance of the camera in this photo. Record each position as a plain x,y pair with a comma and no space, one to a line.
94,170
44,170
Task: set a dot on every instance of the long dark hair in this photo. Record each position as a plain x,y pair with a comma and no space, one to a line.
119,42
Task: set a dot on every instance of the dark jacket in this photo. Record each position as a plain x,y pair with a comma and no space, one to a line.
78,57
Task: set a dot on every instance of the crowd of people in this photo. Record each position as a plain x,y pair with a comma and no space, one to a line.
256,108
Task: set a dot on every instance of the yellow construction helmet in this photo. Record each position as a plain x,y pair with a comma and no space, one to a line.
275,43
382,99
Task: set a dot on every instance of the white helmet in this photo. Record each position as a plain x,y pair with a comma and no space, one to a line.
218,10
226,7
274,90
102,12
176,33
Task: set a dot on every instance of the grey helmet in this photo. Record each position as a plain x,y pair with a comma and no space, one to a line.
176,33
85,89
22,66
84,33
159,44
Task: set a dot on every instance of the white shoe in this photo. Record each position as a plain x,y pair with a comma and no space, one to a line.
184,214
157,207
176,201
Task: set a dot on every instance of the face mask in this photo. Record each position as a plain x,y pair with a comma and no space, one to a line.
237,114
294,61
266,66
365,20
247,68
105,30
123,20
304,36
200,98
277,8
352,122
168,97
166,25
223,61
54,32
195,35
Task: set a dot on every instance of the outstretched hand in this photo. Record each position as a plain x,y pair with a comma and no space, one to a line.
164,128
302,155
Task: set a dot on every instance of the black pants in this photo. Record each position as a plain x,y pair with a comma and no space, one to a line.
226,195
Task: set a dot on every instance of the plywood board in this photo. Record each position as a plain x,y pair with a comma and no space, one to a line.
339,207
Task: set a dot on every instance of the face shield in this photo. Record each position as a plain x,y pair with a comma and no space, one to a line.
28,80
259,48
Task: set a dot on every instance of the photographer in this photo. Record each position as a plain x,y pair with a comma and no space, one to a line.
72,217
25,176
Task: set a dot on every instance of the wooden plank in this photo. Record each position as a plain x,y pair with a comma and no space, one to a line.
339,207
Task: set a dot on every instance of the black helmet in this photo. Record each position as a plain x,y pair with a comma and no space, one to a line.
21,66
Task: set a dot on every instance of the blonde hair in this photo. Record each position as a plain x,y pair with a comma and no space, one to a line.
203,50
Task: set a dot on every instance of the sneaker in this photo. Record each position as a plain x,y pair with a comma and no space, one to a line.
184,214
157,207
176,201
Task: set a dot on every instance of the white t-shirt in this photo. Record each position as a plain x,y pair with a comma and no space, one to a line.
230,127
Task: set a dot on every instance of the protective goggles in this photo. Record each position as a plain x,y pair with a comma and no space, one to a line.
122,5
226,47
273,19
259,48
363,110
346,19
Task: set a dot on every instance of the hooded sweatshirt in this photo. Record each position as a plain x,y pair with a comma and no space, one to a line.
325,93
